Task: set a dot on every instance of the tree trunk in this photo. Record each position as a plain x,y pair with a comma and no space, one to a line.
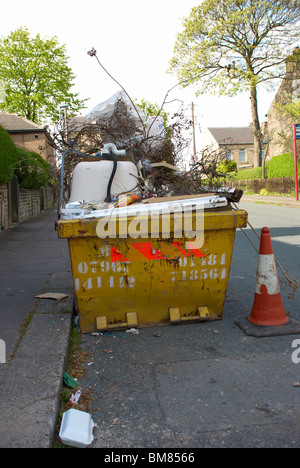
256,126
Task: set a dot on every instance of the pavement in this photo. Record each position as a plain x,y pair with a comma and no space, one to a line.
36,331
272,200
149,396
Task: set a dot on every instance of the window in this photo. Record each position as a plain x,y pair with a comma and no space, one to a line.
242,155
229,154
36,137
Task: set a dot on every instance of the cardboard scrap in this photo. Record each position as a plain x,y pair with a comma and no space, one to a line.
165,164
57,296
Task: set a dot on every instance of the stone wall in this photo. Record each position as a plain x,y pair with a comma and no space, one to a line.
30,203
284,185
3,206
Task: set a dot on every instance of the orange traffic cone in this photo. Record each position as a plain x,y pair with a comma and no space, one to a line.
267,307
267,317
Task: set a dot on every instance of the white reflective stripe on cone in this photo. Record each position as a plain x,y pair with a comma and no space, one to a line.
267,275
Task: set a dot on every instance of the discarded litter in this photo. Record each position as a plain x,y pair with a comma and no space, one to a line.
113,335
69,381
134,331
76,428
75,397
57,296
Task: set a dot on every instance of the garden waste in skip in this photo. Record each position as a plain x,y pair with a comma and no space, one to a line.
142,261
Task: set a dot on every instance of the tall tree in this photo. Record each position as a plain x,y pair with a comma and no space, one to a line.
36,77
231,46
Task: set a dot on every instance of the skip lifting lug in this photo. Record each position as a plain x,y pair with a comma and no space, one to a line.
175,317
103,325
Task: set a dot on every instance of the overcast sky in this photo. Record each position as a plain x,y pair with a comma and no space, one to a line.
134,40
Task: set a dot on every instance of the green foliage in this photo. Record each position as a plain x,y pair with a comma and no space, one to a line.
152,109
282,166
279,166
249,174
227,166
291,109
263,191
32,170
36,77
232,46
8,156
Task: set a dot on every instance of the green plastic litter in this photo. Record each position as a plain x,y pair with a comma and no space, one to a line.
69,381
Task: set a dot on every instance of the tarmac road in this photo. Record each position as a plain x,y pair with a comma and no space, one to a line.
205,384
195,385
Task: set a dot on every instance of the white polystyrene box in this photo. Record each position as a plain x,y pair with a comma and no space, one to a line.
76,428
91,178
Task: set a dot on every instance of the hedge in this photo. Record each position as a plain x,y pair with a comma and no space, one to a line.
32,170
227,166
282,166
279,166
249,174
8,157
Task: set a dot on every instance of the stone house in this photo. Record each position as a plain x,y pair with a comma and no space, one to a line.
280,125
17,204
237,142
28,135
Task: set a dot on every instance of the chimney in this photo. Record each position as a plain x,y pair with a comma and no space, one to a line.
264,128
293,61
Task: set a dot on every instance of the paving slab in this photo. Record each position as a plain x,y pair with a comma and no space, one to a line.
31,381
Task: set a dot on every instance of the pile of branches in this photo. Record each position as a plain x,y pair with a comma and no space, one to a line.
121,129
204,175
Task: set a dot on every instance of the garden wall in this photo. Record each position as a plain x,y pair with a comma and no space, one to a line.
17,204
284,185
